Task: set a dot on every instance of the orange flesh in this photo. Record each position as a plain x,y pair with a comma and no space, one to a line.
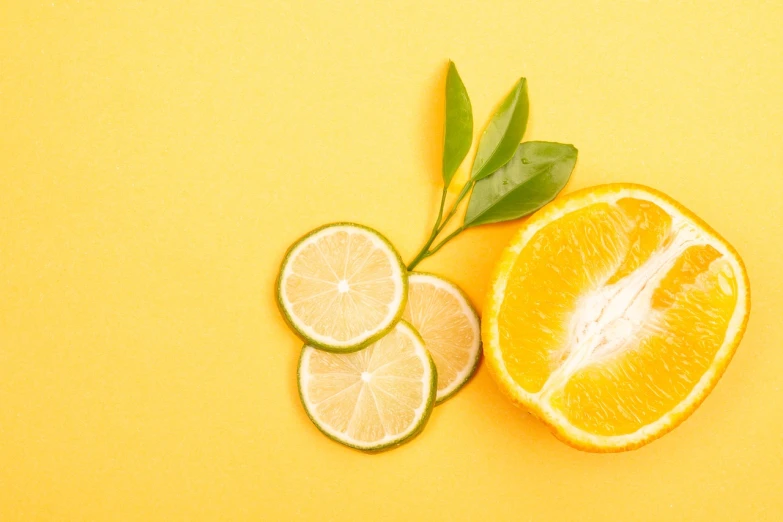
614,314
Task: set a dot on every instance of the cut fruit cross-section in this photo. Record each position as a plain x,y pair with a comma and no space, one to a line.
373,399
341,287
449,325
612,314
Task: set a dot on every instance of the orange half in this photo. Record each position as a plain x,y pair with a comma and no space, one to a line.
612,314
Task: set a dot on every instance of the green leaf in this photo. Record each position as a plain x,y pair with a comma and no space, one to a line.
503,134
533,177
458,124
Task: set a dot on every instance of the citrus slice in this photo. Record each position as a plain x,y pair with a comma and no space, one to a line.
612,314
449,325
341,287
373,399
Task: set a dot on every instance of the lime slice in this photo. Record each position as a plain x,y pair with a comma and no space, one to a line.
449,325
373,399
342,287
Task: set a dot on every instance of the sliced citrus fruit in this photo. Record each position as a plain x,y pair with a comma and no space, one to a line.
612,314
342,286
449,325
373,399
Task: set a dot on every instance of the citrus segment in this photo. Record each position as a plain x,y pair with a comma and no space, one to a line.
541,295
613,313
660,367
646,227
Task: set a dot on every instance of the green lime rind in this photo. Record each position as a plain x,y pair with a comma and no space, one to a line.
479,353
325,346
404,438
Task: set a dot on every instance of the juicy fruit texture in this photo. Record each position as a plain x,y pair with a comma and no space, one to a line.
342,286
613,314
373,399
449,325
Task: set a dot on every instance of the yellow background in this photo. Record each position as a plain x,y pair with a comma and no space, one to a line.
157,158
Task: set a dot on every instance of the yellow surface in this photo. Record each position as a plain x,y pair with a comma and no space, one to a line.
156,159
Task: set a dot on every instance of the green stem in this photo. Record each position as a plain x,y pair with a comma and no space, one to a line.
464,192
423,253
440,209
440,225
435,231
446,240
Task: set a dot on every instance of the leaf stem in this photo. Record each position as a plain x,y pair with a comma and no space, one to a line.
440,224
446,240
440,209
435,231
419,258
464,192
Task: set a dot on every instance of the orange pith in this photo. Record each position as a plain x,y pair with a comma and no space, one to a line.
613,314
